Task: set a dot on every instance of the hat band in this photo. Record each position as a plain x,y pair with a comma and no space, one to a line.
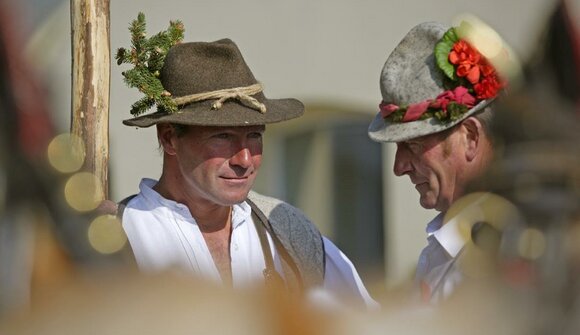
242,94
450,104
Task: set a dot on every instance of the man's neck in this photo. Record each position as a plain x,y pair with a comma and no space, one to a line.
218,243
209,216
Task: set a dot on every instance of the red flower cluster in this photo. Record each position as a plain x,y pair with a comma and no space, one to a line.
488,87
459,95
471,65
472,79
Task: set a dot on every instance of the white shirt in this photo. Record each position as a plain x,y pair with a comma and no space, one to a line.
438,272
164,236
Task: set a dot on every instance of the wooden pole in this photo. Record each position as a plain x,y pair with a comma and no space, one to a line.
90,85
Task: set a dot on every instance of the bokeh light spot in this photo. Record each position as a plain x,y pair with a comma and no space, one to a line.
490,44
106,234
481,207
83,191
531,244
66,153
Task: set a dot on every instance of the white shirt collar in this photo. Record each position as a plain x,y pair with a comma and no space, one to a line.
451,235
448,234
435,224
241,212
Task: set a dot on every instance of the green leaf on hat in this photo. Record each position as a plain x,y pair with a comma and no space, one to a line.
147,56
456,110
442,50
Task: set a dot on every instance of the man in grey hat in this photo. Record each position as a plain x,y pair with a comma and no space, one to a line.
201,216
437,88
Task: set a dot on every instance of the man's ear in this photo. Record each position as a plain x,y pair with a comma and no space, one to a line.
166,136
473,137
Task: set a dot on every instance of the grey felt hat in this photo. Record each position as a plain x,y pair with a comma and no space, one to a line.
411,75
198,68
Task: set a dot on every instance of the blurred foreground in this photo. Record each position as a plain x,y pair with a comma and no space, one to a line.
65,269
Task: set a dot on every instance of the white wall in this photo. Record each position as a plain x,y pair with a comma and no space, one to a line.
311,50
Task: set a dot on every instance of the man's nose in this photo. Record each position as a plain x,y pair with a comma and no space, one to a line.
242,158
402,163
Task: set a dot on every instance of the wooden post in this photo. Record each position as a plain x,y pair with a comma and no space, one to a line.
90,85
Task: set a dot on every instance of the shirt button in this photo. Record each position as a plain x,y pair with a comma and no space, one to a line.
235,246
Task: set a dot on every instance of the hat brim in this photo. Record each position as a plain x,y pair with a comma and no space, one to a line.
232,113
384,130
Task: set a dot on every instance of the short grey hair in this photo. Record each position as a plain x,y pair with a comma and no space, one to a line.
486,117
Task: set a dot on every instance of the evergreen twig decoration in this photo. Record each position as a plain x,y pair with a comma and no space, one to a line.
147,55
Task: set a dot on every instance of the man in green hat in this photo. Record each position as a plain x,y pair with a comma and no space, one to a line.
202,216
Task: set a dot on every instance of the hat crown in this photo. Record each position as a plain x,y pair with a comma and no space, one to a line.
412,80
202,74
410,73
200,67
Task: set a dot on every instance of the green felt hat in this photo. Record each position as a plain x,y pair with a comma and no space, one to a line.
213,86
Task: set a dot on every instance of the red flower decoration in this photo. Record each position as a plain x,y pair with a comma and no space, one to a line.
460,95
476,69
487,88
473,79
387,109
467,60
415,111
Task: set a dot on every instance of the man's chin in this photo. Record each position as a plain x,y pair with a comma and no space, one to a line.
234,198
434,205
427,202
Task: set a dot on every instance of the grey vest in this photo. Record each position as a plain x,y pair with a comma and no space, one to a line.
299,237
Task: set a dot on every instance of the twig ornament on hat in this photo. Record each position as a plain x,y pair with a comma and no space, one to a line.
431,81
210,84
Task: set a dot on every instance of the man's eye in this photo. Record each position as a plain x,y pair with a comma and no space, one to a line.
255,135
414,147
222,135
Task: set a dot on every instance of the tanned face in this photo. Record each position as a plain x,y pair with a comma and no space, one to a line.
215,164
434,164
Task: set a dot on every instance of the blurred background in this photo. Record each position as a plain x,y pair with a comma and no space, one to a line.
326,53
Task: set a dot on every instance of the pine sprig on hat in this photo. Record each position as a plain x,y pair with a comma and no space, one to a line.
147,55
